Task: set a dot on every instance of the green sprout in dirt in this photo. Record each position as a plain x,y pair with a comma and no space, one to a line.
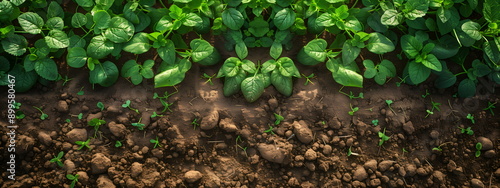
156,142
355,109
426,94
279,118
349,152
44,115
139,125
270,130
438,148
351,95
100,105
468,130
479,147
401,81
73,178
471,117
375,122
81,92
80,115
20,114
389,102
209,78
428,113
96,123
118,144
238,138
164,99
308,78
57,159
65,79
127,105
195,123
155,115
68,120
404,151
382,137
83,144
490,107
15,105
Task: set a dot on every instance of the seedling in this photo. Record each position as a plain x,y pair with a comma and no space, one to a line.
468,131
44,115
57,159
156,142
279,118
81,92
426,94
155,115
490,107
382,137
404,151
389,102
308,78
479,147
20,114
209,78
83,144
375,122
164,99
80,115
118,144
73,178
100,105
401,81
349,152
16,105
139,125
351,95
471,117
68,120
195,124
270,130
439,147
436,105
355,109
127,105
238,138
428,113
65,79
96,123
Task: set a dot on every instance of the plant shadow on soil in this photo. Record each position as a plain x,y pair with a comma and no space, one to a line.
230,149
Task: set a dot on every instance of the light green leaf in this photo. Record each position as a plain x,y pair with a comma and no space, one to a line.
391,17
370,69
101,19
104,74
17,2
119,30
284,18
15,44
104,4
411,46
77,57
344,75
268,66
287,67
491,10
316,49
230,67
47,69
241,50
379,44
252,88
147,69
192,20
138,44
472,29
432,63
282,83
418,72
259,27
99,47
55,23
451,24
387,67
349,52
325,20
170,77
130,68
276,50
57,39
232,85
167,52
85,3
201,49
55,10
31,22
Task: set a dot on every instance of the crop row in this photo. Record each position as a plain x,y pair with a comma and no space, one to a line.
448,38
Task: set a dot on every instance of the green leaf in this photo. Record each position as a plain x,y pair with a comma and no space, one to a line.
104,74
259,27
432,62
164,24
15,44
248,66
387,67
344,75
391,17
349,52
287,67
167,52
466,88
472,29
192,20
446,47
451,24
416,8
276,50
411,46
31,22
284,19
85,3
57,39
418,72
370,69
268,66
55,10
325,20
491,11
99,47
77,57
101,19
232,18
184,65
252,88
230,67
241,50
445,79
55,23
316,49
201,49
212,59
76,41
47,69
104,4
282,83
139,44
119,30
130,68
353,24
17,2
233,84
24,80
147,69
170,77
379,44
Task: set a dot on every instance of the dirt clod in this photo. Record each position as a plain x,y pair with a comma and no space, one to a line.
327,149
97,115
434,134
408,127
45,138
69,166
62,106
302,131
192,176
119,130
360,174
227,124
210,121
271,153
83,177
487,144
490,154
135,169
310,155
100,163
273,103
77,135
476,183
104,182
371,165
385,165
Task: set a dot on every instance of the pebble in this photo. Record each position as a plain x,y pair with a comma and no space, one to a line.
409,128
273,103
77,135
302,131
434,134
227,124
192,176
385,165
97,115
487,144
490,154
62,106
119,130
210,121
327,149
45,138
83,177
69,166
360,174
104,182
135,169
497,172
476,183
310,155
371,165
100,163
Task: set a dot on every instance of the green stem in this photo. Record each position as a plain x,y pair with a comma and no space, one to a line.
161,2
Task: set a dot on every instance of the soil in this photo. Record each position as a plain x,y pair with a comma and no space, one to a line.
230,147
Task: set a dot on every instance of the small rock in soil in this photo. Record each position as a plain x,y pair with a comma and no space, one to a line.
270,153
192,176
451,166
210,121
293,182
497,172
310,155
114,109
310,166
360,174
371,165
327,149
83,177
62,106
135,169
302,131
69,166
487,144
157,153
375,182
408,127
385,165
411,170
476,183
97,115
273,103
490,154
439,176
228,125
100,163
45,138
146,119
104,182
119,130
434,134
77,135
335,123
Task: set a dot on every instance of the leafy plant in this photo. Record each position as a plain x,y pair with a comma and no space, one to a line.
156,142
467,130
83,144
379,72
73,178
375,122
382,137
155,115
57,159
80,115
278,118
209,78
100,105
435,105
389,102
195,123
353,110
471,117
81,92
44,115
136,72
479,147
490,107
308,78
96,123
68,120
127,105
139,125
118,144
270,130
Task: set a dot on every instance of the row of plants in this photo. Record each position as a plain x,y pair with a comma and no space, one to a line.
457,40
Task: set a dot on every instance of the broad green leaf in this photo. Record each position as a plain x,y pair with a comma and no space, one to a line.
55,23
451,24
491,10
6,11
55,10
230,67
312,26
349,52
104,4
192,20
147,69
24,80
353,24
466,88
204,26
259,27
287,67
374,21
164,24
232,18
325,20
379,44
99,47
170,77
201,49
17,2
175,12
252,88
212,59
391,17
85,3
370,69
432,63
101,19
241,50
284,19
232,85
282,83
276,50
31,22
480,69
344,75
380,78
184,65
416,9
418,72
446,47
77,57
306,59
15,44
268,66
443,14
492,51
138,44
445,79
47,69
472,29
104,74
316,49
248,66
57,39
167,52
130,68
387,67
119,30
411,46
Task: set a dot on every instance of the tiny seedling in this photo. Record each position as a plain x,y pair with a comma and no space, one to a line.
80,115
270,130
156,142
139,125
127,105
279,118
479,147
118,144
16,105
389,102
81,92
404,151
428,113
355,109
209,78
100,105
351,95
471,117
65,80
68,120
426,94
155,115
57,159
96,123
238,138
468,130
375,122
382,137
308,78
349,152
44,115
73,178
436,105
402,80
20,114
195,123
490,107
164,99
437,148
83,144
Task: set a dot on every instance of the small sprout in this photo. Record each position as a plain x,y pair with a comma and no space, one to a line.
83,144
351,95
490,107
16,105
68,120
389,102
437,148
80,115
355,109
323,122
73,178
139,125
426,94
401,79
57,159
471,117
405,151
81,92
127,105
436,105
164,100
44,115
96,123
349,152
155,115
20,114
65,79
468,130
209,78
156,142
195,124
375,122
428,113
118,144
479,147
279,118
308,78
382,137
100,105
270,130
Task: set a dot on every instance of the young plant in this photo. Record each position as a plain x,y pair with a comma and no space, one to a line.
44,115
139,125
195,123
65,80
426,94
127,105
389,102
353,110
156,142
100,105
375,122
209,78
349,152
20,114
118,144
270,130
136,72
96,123
57,159
351,95
471,117
155,115
468,130
279,118
80,115
308,78
429,112
73,178
379,72
164,99
490,107
479,147
83,144
68,120
81,92
382,137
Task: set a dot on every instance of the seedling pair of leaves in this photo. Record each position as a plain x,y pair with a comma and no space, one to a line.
44,115
136,72
422,61
467,130
270,130
435,105
139,125
164,100
195,123
490,107
156,142
57,159
471,118
73,178
83,144
351,95
382,137
479,147
127,105
353,110
96,123
379,72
